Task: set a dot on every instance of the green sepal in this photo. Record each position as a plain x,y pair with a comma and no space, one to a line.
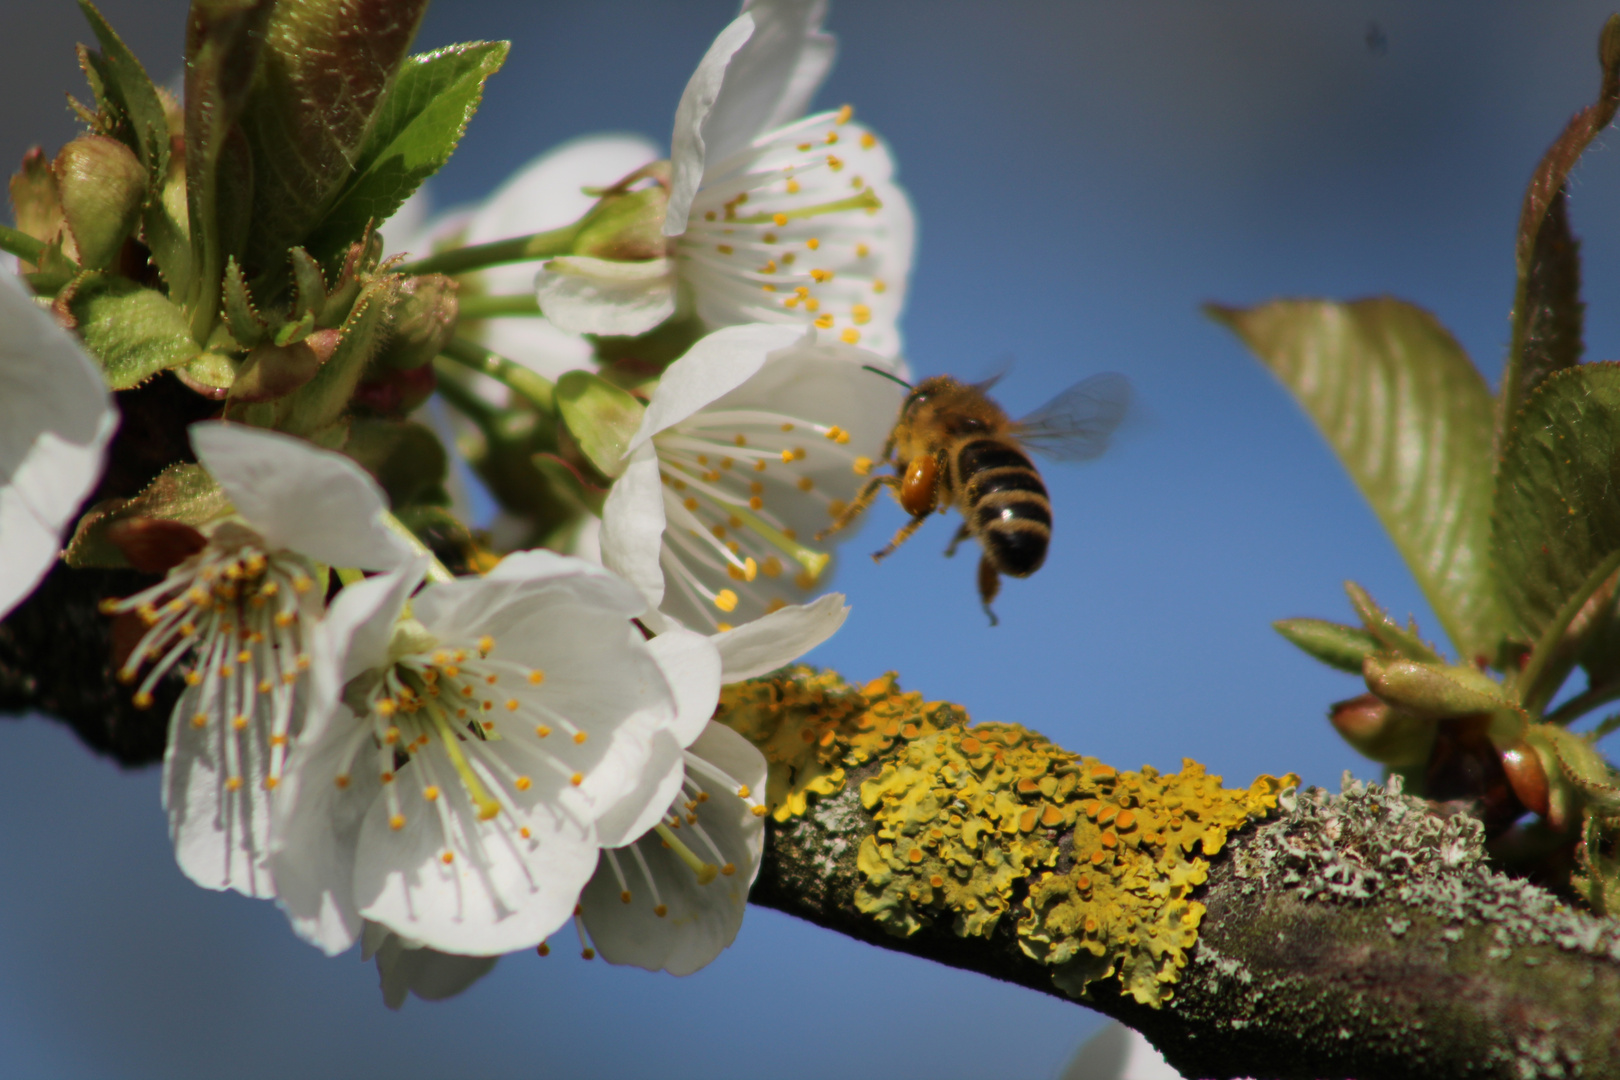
1336,645
184,493
134,333
321,403
1412,420
601,418
243,319
1389,634
297,330
309,284
565,483
416,130
211,374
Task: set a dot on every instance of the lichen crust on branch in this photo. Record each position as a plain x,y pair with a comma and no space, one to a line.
970,822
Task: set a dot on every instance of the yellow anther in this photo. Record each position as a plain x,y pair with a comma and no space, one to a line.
805,484
302,584
723,627
823,321
868,140
278,740
792,186
804,579
708,215
541,730
397,822
485,644
580,736
759,466
285,619
522,783
199,720
756,503
577,779
787,457
779,219
690,503
772,567
302,663
193,677
524,832
834,162
341,780
759,811
804,146
187,629
832,137
844,114
430,793
726,600
270,783
776,604
511,704
661,910
862,251
836,508
850,336
729,869
391,736
385,707
233,784
448,857
387,777
769,238
820,275
265,685
812,304
743,791
239,722
862,466
536,677
724,249
879,285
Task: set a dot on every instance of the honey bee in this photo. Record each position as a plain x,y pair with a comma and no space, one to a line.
954,446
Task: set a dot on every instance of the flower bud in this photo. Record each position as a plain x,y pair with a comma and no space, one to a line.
103,185
1527,776
1433,690
36,199
1385,734
423,319
625,224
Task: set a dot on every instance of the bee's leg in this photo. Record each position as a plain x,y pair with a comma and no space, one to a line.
989,586
902,536
961,535
864,499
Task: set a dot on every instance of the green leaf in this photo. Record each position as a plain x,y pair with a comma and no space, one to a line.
1390,635
601,417
416,131
1411,419
1557,510
130,89
1343,647
1547,308
134,332
323,84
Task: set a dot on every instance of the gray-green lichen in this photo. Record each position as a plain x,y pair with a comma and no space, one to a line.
1372,842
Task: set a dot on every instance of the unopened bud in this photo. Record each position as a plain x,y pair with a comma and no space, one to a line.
1385,734
423,320
103,185
1527,777
273,371
627,222
36,201
1433,690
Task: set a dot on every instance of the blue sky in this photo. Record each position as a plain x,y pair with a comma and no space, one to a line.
1085,175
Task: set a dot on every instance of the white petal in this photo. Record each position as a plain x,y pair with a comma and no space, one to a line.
691,115
701,920
633,525
220,836
428,973
1118,1053
517,591
641,808
501,892
360,623
601,296
760,73
300,497
692,664
56,417
779,638
546,194
715,365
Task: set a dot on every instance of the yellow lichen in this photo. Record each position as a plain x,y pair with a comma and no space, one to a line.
973,821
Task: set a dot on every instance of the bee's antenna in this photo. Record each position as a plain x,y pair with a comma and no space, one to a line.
887,375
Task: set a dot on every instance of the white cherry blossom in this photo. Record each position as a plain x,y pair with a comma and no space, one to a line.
771,218
753,441
459,757
236,616
56,418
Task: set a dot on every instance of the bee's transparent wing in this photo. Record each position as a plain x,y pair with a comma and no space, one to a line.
1075,425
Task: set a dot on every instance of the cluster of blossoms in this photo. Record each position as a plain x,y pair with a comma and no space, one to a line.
447,767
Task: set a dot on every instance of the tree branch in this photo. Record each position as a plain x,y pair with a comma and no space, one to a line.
1352,935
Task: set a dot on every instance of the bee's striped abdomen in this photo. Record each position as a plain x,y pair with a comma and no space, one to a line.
1009,508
